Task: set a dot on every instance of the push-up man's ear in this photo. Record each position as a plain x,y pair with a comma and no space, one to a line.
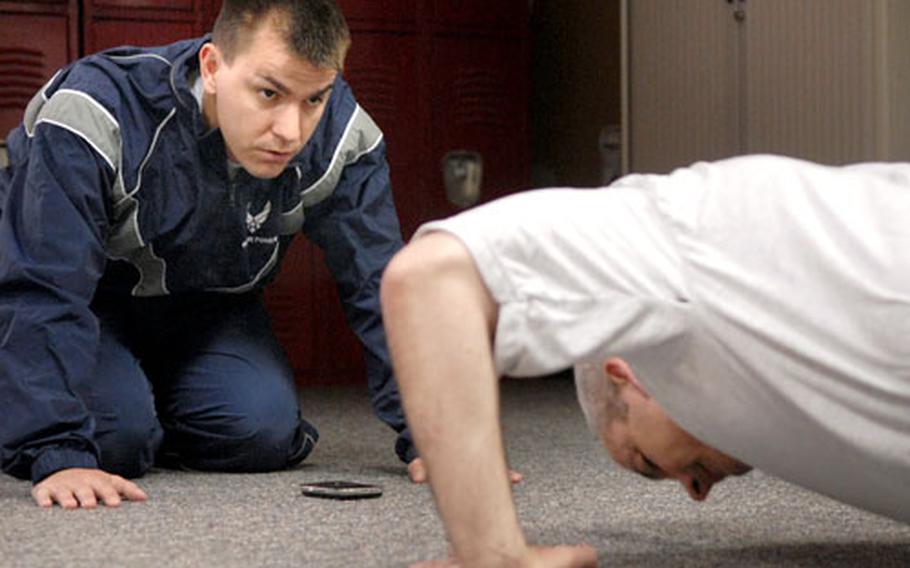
621,373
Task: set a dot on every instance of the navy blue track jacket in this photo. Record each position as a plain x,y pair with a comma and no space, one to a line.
117,186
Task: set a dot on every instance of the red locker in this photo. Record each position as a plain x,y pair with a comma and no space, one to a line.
26,64
111,23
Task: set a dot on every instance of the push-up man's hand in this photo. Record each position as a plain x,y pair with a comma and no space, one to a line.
417,471
581,556
77,487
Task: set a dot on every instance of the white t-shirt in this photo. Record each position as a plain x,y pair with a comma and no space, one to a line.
763,301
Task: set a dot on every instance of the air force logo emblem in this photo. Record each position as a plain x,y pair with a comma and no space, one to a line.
254,222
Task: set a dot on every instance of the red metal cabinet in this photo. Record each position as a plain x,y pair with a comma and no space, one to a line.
383,14
26,63
382,68
478,86
111,23
499,15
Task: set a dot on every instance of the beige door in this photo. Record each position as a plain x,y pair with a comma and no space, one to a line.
824,80
810,79
682,82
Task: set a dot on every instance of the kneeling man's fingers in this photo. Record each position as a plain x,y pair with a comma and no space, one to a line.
42,496
86,497
108,494
128,489
417,471
64,497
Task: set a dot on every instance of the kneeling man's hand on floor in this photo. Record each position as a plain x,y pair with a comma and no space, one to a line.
77,487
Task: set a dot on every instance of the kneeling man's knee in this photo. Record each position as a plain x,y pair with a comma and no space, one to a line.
248,444
129,449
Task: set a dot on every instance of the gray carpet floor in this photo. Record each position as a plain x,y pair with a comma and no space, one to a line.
571,493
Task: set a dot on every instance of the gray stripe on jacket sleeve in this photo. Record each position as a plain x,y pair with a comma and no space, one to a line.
360,136
34,107
87,118
84,116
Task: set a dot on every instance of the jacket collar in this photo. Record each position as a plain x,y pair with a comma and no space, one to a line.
185,68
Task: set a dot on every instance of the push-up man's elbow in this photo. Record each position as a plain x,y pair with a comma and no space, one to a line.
422,264
432,275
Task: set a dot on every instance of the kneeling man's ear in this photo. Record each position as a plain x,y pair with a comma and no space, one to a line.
209,63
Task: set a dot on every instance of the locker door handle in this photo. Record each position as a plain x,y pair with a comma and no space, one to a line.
739,9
